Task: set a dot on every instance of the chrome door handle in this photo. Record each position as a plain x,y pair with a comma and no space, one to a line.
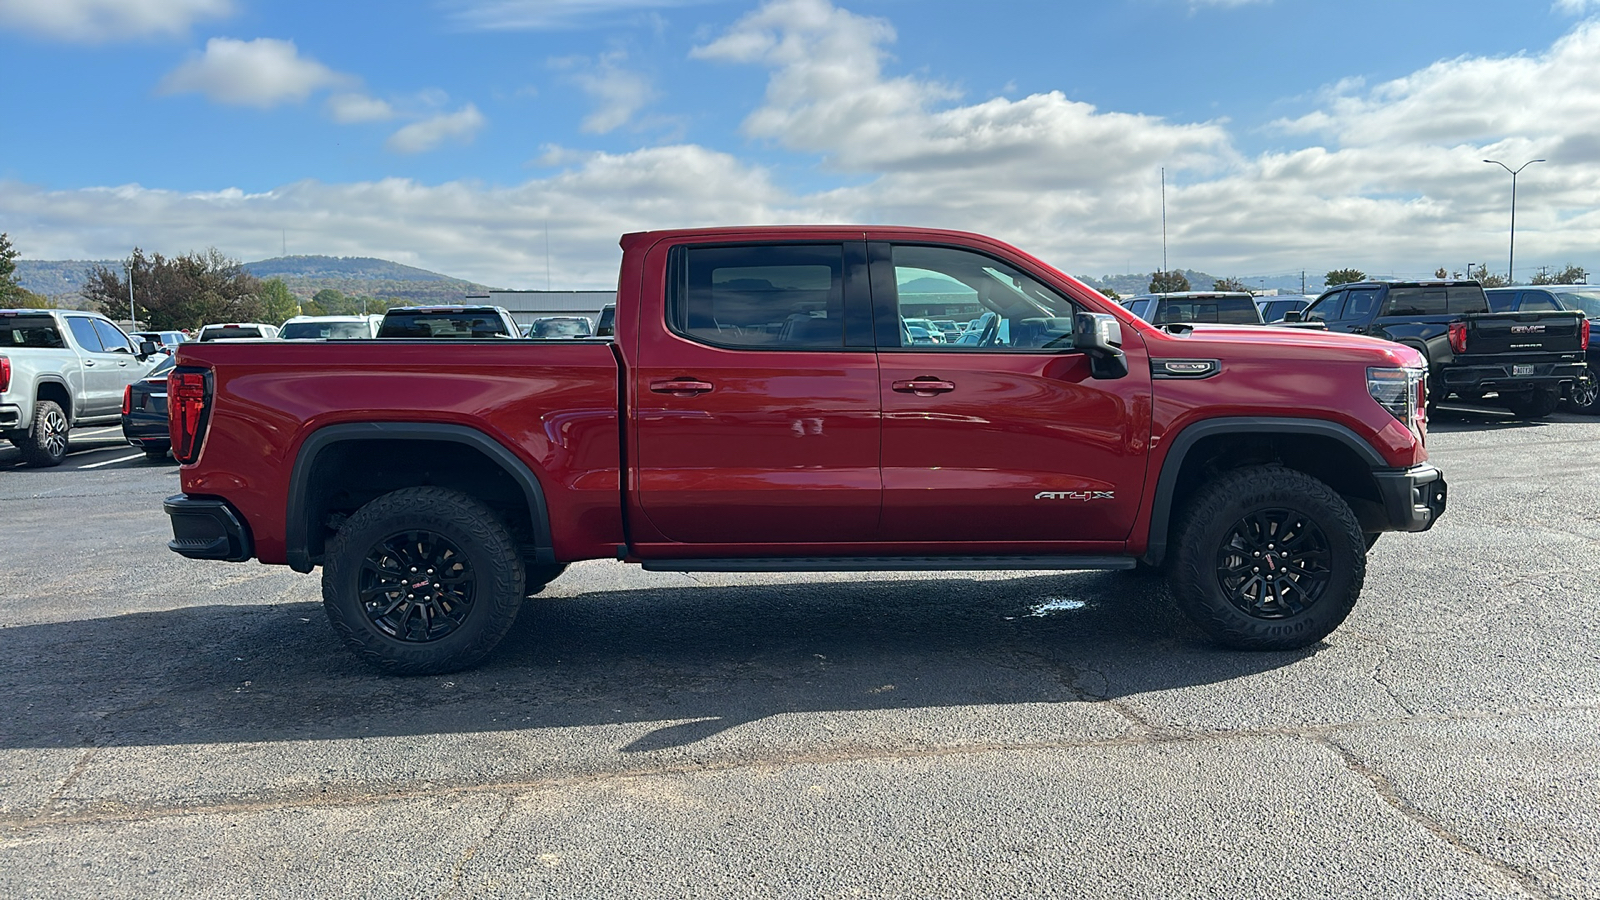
682,387
924,387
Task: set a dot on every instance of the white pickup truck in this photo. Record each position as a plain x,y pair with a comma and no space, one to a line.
60,369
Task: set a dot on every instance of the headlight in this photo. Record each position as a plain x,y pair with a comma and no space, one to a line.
1404,393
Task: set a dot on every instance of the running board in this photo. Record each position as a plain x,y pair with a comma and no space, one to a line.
888,563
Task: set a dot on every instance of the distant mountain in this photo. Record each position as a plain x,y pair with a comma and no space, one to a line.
357,276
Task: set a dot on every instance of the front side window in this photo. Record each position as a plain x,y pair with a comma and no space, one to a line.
1328,308
111,337
1537,301
1003,308
770,297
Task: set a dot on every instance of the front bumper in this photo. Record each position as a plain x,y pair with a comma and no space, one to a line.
1414,498
206,528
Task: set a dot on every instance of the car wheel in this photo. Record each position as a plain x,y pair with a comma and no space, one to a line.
1585,394
45,444
1268,558
1534,404
540,575
422,581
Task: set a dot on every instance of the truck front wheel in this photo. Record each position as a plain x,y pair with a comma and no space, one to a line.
1534,404
1268,558
422,581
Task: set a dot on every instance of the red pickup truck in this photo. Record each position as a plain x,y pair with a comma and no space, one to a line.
763,407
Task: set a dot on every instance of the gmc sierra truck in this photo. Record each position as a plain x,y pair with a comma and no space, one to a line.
60,369
1528,357
761,408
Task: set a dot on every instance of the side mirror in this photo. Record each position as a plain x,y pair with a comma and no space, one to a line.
147,349
1100,336
1293,315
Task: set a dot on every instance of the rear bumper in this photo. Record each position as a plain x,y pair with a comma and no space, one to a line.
206,528
1414,498
1500,377
10,415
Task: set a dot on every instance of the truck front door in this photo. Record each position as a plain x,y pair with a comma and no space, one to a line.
756,410
1002,436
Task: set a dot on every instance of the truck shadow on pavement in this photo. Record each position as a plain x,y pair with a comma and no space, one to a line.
698,660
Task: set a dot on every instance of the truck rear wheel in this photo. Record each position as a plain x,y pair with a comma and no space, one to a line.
1268,558
1534,404
45,444
422,581
1585,394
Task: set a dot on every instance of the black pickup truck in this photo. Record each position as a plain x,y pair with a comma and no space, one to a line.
1527,358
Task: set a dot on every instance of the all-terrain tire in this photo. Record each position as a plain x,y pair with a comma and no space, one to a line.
45,444
422,581
1267,558
1535,404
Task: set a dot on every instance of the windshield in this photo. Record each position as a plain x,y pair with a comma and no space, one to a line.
300,331
556,328
228,332
445,324
1587,301
1222,310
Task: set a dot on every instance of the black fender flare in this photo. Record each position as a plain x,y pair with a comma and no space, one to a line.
297,529
1184,441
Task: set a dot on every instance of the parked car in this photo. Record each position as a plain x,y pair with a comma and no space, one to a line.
1528,358
144,411
238,331
1584,394
770,415
928,331
555,327
1209,307
607,326
60,369
1274,309
323,328
449,323
167,340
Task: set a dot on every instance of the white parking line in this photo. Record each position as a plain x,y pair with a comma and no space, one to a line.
94,431
110,461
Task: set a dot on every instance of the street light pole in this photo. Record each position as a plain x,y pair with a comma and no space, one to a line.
1511,265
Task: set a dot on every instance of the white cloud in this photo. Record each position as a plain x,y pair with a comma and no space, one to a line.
618,93
264,73
349,109
108,20
546,15
1574,7
461,126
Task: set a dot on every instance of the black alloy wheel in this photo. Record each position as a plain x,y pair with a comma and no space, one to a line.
417,586
1274,563
1584,396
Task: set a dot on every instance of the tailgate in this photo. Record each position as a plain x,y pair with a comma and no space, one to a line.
1522,334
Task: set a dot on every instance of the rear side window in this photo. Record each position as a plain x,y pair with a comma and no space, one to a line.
1436,301
83,333
30,331
788,297
1359,304
443,324
1501,301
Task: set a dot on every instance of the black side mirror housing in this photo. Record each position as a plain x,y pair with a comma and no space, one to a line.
1292,315
147,349
1099,335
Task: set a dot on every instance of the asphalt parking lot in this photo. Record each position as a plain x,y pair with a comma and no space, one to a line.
171,728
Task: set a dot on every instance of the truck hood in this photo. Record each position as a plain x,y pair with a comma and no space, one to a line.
1268,342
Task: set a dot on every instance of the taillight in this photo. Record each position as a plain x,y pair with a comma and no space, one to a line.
127,399
1458,337
188,395
5,373
1583,337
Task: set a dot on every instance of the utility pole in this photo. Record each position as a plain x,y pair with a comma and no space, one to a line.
1163,218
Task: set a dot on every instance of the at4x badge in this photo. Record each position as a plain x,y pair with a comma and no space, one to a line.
1076,495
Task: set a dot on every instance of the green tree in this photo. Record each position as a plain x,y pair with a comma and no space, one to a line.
336,303
1168,282
1570,275
1482,276
1110,294
1229,284
188,291
1344,276
277,304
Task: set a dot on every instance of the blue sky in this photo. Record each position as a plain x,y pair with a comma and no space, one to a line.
1296,134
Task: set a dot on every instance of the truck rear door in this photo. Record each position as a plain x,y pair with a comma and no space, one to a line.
756,409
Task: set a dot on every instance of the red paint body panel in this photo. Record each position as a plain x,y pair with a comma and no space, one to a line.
791,453
553,405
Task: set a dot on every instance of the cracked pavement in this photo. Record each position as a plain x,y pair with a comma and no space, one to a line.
171,728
